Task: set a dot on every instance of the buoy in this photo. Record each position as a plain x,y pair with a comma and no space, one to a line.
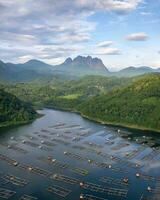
89,161
137,175
149,189
119,130
81,196
65,152
125,180
12,138
42,141
55,176
81,184
30,168
15,163
110,166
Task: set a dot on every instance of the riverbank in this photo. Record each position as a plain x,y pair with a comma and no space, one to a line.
18,123
108,123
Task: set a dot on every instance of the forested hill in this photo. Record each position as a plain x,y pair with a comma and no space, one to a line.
137,105
13,111
132,102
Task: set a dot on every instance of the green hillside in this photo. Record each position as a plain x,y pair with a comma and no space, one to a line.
13,111
131,102
137,105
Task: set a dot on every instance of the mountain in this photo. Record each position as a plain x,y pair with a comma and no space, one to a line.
134,71
13,111
25,72
70,68
81,66
35,65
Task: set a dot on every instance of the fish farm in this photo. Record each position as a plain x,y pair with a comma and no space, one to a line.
63,156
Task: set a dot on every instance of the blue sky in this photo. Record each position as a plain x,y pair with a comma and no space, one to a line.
121,32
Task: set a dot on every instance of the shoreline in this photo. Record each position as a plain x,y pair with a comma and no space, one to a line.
131,127
20,123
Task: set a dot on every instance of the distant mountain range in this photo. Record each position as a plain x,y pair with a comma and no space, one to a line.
79,66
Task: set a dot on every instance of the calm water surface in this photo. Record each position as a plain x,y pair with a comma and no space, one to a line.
63,147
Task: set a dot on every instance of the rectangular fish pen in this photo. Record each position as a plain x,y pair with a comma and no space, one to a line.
15,180
110,180
108,190
27,197
6,194
65,179
60,191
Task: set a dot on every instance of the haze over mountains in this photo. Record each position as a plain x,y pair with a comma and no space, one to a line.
79,66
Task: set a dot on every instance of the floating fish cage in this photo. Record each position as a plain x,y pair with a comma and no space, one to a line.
92,144
27,197
6,194
35,170
65,179
60,141
119,182
30,143
108,190
14,147
15,180
60,191
120,146
8,160
90,197
44,136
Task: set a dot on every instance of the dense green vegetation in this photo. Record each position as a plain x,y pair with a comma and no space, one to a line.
132,102
13,111
137,105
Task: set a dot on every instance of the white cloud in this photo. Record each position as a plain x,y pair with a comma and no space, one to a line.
137,37
105,44
112,5
31,27
107,51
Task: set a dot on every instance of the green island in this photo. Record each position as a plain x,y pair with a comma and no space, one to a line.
130,102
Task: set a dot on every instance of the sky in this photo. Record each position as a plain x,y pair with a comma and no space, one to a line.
121,32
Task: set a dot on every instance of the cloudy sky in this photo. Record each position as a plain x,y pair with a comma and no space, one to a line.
121,32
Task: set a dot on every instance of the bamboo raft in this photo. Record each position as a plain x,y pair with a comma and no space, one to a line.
60,191
6,194
15,180
108,190
27,197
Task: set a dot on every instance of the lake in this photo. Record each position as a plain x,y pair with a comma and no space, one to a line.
64,156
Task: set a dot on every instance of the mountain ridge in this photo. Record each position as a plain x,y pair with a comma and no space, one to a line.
79,66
